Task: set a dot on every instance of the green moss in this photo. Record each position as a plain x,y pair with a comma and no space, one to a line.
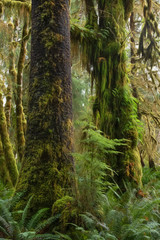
66,207
128,6
7,148
4,173
17,4
114,108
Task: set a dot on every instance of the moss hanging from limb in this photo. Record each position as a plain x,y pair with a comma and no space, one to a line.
26,6
7,148
19,108
114,107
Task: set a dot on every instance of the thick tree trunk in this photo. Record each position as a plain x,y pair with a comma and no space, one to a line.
47,162
114,107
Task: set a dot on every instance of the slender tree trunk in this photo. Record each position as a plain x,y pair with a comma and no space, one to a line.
47,166
7,147
19,105
9,87
4,173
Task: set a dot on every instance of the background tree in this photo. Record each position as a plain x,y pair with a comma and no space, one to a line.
103,53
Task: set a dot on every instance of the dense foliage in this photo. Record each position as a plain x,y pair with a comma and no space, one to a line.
107,188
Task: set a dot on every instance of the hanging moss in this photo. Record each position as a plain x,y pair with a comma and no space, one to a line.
16,4
114,108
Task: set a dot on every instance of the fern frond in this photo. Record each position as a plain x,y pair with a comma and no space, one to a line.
62,236
46,223
14,200
3,230
47,236
25,213
5,212
36,218
6,225
26,235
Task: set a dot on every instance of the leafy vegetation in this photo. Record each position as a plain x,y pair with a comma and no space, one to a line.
107,188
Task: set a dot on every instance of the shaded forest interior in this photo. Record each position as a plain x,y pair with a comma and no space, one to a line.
79,119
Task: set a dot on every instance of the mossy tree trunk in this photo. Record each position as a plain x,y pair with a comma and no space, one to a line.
4,173
19,107
114,107
11,75
47,166
7,147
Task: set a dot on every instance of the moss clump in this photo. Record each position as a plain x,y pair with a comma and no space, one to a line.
66,207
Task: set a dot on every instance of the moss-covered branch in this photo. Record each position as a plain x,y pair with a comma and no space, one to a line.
15,4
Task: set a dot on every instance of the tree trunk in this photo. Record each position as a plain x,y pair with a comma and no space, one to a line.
47,161
19,107
114,107
7,147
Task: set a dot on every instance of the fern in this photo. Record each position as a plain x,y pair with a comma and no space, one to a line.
43,225
25,213
36,218
32,229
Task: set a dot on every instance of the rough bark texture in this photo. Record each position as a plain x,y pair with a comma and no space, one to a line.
47,162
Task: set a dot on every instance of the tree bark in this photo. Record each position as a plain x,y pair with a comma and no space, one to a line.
47,161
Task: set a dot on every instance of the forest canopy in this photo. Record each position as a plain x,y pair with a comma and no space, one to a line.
79,119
